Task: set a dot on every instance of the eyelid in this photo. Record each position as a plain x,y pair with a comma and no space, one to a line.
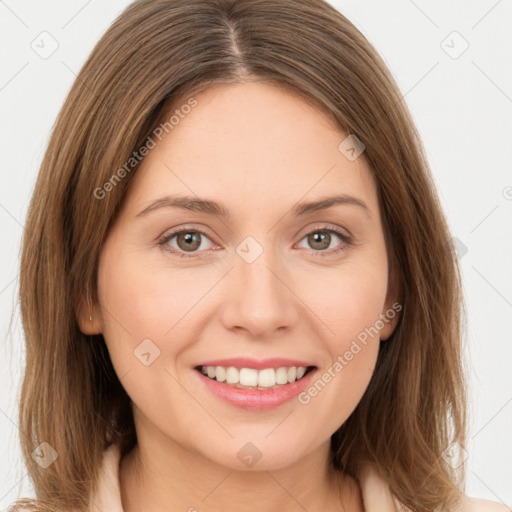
325,226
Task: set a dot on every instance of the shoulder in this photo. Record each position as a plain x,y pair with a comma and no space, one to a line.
377,496
481,505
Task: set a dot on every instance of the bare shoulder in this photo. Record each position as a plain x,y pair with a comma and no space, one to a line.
481,505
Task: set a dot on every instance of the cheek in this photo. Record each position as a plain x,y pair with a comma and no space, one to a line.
143,300
350,306
143,325
347,301
140,298
359,302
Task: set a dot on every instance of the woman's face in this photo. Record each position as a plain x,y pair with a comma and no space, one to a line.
266,280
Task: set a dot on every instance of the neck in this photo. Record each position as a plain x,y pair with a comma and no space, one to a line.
161,475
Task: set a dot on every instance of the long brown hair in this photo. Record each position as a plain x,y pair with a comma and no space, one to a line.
156,51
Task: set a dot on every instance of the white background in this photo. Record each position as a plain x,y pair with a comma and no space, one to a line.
462,107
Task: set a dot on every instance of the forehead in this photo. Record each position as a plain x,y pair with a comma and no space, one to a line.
249,143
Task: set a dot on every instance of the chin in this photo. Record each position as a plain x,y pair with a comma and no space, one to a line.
263,452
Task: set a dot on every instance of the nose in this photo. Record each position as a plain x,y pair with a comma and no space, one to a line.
259,297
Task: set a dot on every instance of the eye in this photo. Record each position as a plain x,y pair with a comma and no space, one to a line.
322,237
187,241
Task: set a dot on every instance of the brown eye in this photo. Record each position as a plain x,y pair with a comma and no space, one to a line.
188,240
319,240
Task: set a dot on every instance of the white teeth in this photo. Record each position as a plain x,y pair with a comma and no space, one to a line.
220,374
249,377
292,374
267,378
232,375
281,376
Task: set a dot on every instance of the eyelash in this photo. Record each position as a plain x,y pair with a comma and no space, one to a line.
347,241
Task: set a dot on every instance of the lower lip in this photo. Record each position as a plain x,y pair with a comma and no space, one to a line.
256,399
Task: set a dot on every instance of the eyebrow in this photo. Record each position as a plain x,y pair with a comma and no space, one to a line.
210,207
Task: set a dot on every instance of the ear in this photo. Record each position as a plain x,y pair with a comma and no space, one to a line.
392,306
89,317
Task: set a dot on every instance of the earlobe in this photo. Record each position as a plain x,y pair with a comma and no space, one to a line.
89,318
393,307
390,318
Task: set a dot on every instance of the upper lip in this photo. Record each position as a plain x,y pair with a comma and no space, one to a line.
257,364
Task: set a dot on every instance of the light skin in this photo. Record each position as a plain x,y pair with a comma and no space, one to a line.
259,150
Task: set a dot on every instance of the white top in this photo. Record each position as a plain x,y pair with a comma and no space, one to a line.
377,496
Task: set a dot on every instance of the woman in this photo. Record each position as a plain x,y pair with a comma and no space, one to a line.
237,288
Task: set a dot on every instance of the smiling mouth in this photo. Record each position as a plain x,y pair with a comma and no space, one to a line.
250,378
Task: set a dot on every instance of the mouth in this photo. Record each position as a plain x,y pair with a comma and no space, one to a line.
255,384
255,379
